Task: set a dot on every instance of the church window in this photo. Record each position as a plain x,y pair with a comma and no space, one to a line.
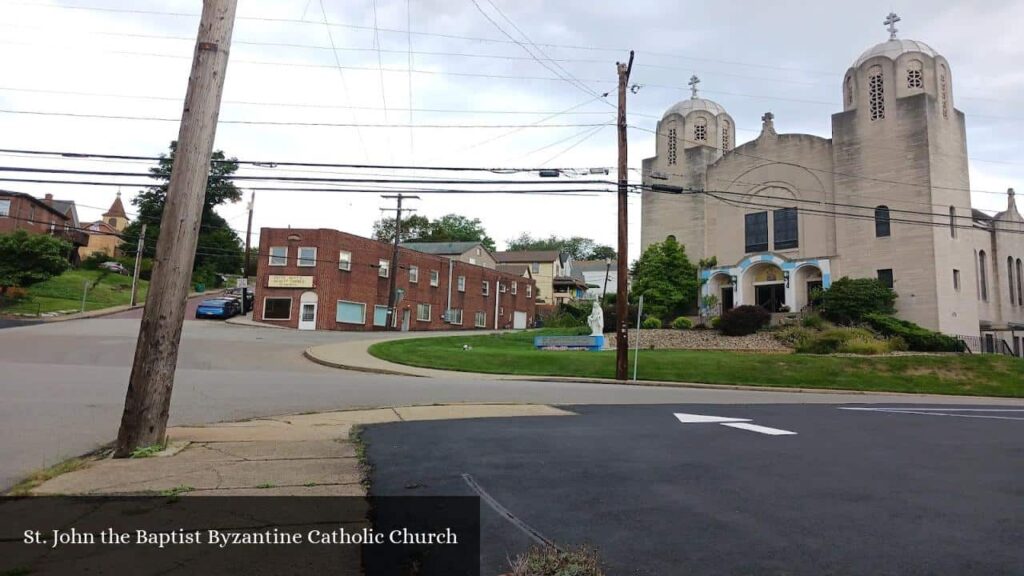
882,225
885,277
786,232
956,279
756,232
943,91
982,276
1009,275
700,130
915,76
849,91
725,135
876,94
672,146
952,222
1020,282
112,222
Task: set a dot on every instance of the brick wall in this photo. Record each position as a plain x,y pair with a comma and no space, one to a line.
23,210
363,285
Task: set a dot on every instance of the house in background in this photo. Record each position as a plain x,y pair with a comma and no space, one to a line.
104,233
600,276
20,211
468,252
553,272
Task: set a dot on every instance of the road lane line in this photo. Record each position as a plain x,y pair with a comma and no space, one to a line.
702,419
903,409
759,429
920,413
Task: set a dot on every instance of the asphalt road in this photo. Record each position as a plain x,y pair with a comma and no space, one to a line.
852,492
62,385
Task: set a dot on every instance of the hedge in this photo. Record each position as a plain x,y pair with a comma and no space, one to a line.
917,338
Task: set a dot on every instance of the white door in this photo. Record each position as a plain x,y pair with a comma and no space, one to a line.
519,320
307,317
307,311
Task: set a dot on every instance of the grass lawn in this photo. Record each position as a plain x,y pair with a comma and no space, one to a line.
513,353
64,293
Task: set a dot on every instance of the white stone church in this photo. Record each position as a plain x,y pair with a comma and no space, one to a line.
888,196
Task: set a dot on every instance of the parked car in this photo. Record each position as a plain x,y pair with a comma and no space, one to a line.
114,267
222,308
249,297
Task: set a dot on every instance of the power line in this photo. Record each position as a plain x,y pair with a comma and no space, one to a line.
344,83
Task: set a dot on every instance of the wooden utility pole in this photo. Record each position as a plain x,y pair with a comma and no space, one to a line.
148,401
393,269
245,266
139,246
622,281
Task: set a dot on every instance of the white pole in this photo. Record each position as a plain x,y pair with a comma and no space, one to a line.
636,354
85,290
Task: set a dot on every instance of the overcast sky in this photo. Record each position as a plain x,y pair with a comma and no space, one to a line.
752,56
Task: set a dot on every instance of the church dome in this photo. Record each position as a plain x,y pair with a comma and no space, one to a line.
893,49
691,104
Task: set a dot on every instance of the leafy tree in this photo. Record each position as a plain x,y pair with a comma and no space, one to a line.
578,247
27,259
413,227
849,300
219,247
666,278
447,228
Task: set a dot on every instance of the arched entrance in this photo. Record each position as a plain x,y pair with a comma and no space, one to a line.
307,311
765,285
808,279
720,286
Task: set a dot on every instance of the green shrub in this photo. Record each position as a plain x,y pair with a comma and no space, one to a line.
93,261
651,322
861,345
716,322
795,336
915,337
897,344
682,323
814,321
743,320
833,341
849,300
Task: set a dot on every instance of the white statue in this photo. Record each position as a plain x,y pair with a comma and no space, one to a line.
596,320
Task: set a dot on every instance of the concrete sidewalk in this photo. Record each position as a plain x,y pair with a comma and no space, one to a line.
297,455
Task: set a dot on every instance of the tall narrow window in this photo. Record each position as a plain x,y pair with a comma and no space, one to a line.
756,232
915,75
1020,282
956,280
671,146
849,91
952,222
882,226
700,130
1009,276
982,276
786,232
726,135
885,277
876,94
943,91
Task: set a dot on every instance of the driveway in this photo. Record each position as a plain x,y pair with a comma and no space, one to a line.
776,489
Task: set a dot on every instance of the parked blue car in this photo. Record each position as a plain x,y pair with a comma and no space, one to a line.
217,308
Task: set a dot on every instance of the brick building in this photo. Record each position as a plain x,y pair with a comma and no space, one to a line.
20,211
320,279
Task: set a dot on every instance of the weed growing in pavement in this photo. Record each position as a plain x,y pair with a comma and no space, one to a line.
177,490
265,485
147,451
549,561
355,436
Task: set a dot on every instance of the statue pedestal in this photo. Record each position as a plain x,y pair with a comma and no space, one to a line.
592,343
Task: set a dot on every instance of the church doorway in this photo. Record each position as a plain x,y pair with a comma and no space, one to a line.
771,297
727,298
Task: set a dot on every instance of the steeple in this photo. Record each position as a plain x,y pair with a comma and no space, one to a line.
116,209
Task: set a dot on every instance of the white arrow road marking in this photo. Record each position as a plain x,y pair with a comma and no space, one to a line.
761,429
944,412
740,423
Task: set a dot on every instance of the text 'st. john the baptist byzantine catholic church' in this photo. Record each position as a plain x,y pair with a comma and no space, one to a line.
887,197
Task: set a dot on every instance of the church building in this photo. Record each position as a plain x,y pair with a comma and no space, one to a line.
887,197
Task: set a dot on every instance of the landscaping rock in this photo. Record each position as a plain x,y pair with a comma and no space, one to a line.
664,339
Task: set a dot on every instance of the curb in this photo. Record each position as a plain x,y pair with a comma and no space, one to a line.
110,311
706,386
317,360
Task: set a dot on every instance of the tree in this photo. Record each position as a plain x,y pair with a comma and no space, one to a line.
578,247
447,228
849,300
413,227
219,248
666,278
27,259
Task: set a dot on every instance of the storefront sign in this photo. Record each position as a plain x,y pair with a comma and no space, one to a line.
289,281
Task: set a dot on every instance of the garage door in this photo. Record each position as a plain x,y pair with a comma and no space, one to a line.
519,320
